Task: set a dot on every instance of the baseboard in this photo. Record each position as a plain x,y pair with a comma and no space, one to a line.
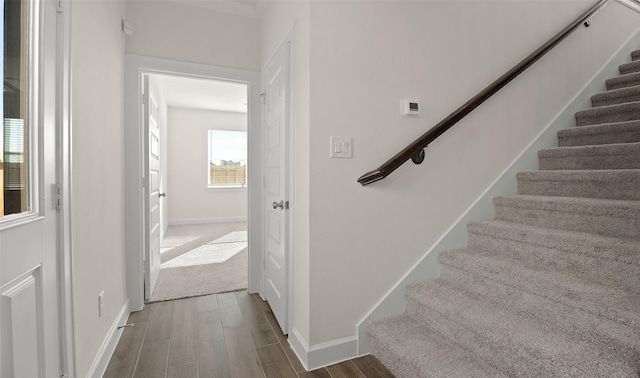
99,365
181,222
426,268
324,354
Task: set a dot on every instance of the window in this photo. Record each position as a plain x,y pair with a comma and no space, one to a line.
227,159
14,130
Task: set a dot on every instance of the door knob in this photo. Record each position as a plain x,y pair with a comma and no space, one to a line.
162,195
278,205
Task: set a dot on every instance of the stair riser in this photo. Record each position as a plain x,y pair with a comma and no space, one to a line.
580,244
501,336
605,161
627,276
599,139
497,354
411,349
597,101
587,118
584,323
629,68
616,190
395,365
615,133
626,81
523,284
572,219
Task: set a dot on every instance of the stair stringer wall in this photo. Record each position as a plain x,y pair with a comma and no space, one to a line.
427,267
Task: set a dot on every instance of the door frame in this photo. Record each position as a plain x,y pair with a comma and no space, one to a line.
135,67
64,178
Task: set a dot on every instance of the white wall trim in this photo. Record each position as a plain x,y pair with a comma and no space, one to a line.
99,365
324,354
300,347
427,267
180,222
63,106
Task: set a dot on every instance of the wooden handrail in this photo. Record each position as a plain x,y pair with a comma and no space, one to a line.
415,150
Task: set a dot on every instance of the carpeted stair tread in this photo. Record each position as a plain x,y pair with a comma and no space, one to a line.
616,96
568,254
605,331
411,350
618,184
635,55
492,234
607,114
607,133
601,216
623,81
629,67
606,156
605,301
514,342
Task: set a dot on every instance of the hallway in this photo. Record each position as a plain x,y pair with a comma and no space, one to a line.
221,335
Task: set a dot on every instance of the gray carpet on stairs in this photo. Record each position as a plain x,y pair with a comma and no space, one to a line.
551,286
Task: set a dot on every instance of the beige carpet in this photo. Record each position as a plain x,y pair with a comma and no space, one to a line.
202,259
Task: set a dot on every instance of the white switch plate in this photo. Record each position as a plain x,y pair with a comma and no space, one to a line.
341,147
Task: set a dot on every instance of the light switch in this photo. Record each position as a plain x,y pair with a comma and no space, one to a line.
341,147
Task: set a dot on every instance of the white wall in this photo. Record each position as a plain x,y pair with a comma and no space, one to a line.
190,198
352,242
97,60
167,29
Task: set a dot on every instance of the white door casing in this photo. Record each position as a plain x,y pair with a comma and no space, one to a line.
31,313
151,190
276,78
135,170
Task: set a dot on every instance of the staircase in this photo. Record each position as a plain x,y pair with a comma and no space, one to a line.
551,286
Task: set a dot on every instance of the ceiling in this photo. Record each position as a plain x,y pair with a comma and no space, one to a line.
197,93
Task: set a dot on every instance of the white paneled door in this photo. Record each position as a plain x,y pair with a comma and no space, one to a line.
152,191
276,263
30,305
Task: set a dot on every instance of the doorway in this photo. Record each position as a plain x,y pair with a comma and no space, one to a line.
196,185
135,67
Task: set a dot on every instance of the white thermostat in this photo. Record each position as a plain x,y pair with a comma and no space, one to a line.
410,108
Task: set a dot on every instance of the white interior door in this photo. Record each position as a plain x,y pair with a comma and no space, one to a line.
152,191
276,85
30,311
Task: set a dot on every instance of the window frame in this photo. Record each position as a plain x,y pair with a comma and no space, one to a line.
33,120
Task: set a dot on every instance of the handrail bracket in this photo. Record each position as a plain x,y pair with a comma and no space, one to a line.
418,157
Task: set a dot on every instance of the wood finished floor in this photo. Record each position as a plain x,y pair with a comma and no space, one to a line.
219,335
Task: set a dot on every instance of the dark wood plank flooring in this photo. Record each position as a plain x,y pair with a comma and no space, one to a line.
220,335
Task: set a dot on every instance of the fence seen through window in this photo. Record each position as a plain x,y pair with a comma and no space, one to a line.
227,159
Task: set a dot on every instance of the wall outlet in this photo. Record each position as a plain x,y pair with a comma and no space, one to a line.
101,303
